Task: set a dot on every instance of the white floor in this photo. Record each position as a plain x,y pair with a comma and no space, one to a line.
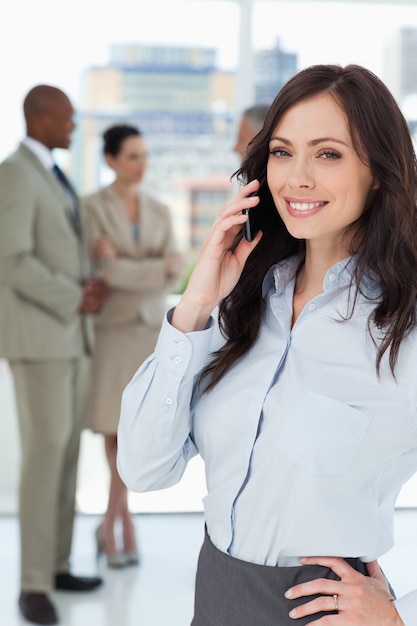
160,591
157,593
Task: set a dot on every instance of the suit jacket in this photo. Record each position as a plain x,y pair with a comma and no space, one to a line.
43,263
137,276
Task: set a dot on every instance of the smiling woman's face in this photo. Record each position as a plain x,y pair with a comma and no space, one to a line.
318,182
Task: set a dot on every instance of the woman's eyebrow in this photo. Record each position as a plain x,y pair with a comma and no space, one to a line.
313,142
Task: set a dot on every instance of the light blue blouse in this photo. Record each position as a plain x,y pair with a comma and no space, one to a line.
305,447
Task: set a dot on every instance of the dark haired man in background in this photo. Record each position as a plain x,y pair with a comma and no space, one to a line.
250,124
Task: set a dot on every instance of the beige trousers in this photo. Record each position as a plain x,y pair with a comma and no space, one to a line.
50,397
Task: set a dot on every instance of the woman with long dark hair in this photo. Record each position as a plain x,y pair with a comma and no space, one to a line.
290,366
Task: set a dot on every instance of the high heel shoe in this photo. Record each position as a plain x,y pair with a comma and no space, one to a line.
117,560
132,557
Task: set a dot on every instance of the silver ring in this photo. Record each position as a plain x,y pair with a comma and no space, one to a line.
336,601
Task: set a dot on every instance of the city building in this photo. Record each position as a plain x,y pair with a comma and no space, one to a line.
272,68
186,108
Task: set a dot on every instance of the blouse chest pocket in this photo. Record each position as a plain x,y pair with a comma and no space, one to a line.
321,434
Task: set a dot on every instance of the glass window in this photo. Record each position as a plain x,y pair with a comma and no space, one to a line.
183,70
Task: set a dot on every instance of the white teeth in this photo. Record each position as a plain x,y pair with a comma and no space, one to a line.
305,206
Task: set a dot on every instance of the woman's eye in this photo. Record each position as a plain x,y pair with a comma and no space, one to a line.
280,152
329,154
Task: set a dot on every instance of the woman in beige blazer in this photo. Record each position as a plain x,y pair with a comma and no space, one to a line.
132,245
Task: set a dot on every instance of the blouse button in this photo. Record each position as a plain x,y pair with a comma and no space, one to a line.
181,344
332,277
311,307
169,401
178,360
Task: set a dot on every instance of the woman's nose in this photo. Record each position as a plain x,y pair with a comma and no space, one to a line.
301,173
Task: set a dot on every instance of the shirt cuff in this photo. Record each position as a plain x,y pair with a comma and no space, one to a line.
184,353
407,608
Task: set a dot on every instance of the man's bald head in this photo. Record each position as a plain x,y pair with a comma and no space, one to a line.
48,114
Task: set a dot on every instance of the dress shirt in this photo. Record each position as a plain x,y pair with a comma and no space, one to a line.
305,447
41,151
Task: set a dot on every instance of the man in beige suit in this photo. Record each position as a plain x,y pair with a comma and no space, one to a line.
46,297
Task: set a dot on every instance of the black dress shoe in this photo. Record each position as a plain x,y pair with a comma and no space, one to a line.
68,582
37,608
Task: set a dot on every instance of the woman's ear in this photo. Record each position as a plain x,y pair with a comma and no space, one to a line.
375,184
109,160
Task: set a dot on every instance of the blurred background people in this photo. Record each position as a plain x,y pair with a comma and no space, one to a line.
46,297
251,122
131,242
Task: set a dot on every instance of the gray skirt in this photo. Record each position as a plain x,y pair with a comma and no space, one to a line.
231,592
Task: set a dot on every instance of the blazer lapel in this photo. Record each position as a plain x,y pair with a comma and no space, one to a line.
62,198
146,228
118,223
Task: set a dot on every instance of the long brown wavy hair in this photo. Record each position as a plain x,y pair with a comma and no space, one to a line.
384,238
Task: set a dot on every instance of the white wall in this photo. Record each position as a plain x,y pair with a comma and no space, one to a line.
93,473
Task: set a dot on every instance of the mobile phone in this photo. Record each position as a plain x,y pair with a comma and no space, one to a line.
251,226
